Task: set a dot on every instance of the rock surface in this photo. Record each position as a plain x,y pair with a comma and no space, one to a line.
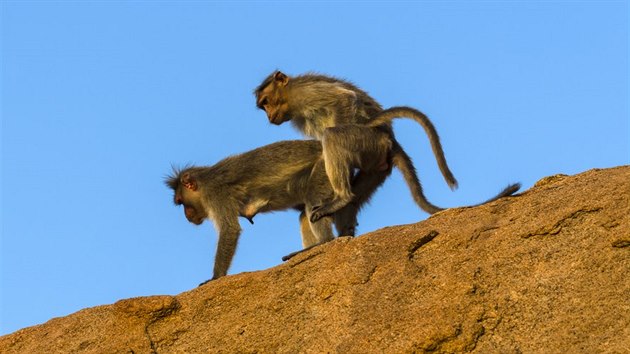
545,271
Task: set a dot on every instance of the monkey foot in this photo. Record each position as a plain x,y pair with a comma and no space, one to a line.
319,212
347,233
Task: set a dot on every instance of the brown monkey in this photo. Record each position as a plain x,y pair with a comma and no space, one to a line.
279,176
347,120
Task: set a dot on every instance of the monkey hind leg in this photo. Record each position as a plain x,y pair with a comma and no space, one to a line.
346,148
363,187
338,162
346,220
321,229
313,234
308,237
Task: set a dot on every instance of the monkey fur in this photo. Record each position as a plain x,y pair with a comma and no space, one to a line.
279,176
348,121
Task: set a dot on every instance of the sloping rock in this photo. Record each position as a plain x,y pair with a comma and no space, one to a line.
545,271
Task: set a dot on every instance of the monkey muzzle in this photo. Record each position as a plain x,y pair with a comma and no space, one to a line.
275,119
191,215
278,114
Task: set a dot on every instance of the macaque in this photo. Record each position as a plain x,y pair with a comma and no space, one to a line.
279,176
359,147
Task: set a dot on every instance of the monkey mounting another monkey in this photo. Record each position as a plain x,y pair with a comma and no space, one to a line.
279,176
352,127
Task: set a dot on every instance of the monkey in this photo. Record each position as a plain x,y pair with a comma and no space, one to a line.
347,120
279,176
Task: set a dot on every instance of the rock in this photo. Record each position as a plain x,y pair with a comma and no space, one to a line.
544,271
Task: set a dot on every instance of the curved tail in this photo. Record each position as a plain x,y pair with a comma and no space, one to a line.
403,162
388,115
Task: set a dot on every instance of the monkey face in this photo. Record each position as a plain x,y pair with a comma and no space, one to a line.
274,105
273,99
186,192
193,210
278,114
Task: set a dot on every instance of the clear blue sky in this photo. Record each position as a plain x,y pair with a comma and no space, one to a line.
100,98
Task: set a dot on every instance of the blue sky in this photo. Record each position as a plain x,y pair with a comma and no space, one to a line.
100,98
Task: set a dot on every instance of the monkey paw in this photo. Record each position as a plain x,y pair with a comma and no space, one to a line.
327,209
347,231
319,212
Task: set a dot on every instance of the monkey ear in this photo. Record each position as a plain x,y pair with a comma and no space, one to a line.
281,78
189,181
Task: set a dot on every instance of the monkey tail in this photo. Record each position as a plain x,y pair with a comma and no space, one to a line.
403,162
507,191
388,115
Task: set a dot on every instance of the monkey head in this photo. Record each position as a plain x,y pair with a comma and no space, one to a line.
271,97
187,193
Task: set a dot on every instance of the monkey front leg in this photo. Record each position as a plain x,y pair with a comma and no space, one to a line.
229,232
